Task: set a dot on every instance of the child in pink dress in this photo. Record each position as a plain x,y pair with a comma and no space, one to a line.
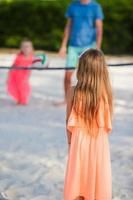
18,80
89,120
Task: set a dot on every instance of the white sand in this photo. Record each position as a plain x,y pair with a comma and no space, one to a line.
33,147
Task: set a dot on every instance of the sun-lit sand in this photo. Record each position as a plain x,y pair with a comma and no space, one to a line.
33,148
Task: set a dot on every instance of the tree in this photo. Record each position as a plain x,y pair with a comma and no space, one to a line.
43,22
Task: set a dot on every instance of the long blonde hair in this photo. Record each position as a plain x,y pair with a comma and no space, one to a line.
93,83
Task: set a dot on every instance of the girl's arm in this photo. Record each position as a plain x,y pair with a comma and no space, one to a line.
63,49
68,111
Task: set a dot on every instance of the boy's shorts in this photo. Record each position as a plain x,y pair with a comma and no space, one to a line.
74,53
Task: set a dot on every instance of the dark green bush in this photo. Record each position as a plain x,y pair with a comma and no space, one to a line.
43,22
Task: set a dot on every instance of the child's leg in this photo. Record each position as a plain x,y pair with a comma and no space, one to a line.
72,60
67,81
18,86
24,92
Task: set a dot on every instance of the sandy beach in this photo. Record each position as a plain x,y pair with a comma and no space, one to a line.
33,146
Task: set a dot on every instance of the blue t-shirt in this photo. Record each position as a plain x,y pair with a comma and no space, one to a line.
84,16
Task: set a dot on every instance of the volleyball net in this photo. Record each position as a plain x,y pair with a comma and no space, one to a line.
58,68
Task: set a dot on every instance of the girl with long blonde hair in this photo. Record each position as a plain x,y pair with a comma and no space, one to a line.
89,120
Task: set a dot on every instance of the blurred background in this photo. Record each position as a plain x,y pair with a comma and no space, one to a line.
43,22
33,146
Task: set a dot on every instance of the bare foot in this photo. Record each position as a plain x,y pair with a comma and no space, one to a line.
61,103
21,104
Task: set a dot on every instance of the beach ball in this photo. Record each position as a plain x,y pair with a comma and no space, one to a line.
40,60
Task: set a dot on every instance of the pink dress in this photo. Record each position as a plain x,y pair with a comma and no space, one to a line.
88,171
18,81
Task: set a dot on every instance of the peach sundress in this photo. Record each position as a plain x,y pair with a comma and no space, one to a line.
88,171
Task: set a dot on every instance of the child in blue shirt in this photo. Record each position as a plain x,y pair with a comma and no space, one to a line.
83,30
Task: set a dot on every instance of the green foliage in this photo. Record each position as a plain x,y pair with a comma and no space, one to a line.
118,26
43,22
